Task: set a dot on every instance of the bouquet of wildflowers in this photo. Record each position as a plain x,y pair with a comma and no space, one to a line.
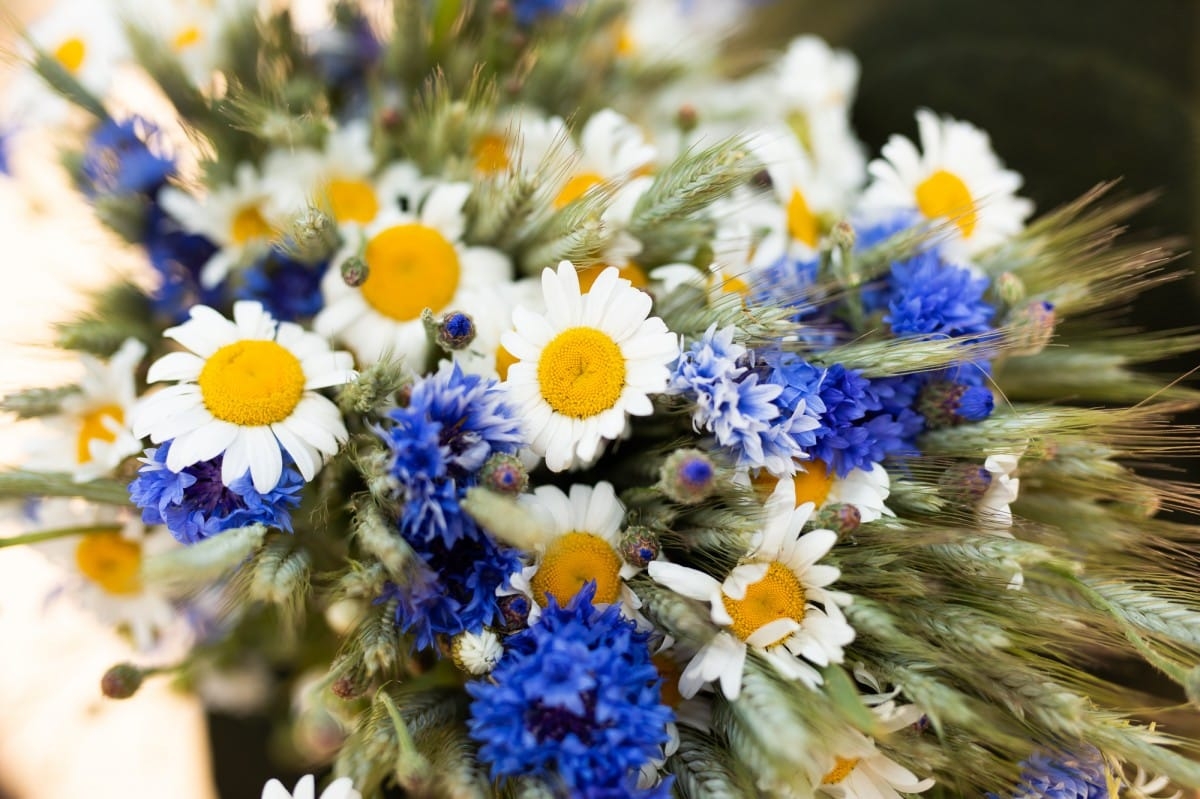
540,410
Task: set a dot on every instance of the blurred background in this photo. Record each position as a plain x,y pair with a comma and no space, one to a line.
1073,92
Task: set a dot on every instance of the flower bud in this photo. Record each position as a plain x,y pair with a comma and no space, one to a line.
456,331
639,545
354,271
945,403
966,483
122,681
686,118
1010,289
1032,328
504,474
843,518
514,610
687,476
842,236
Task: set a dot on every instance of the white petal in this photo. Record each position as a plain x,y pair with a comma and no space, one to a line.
202,444
682,580
266,461
175,366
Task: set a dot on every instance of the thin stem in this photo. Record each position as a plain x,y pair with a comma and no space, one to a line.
50,535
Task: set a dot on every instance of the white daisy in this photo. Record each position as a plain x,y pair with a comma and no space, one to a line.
246,390
611,149
415,259
342,788
585,364
476,653
86,39
192,30
94,431
579,541
103,568
241,217
955,176
865,489
775,600
684,34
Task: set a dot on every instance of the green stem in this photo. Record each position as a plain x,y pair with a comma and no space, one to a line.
50,535
20,484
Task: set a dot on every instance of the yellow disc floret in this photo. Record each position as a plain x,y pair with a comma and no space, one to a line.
842,766
71,54
248,224
943,194
352,200
252,383
813,483
801,221
581,372
95,428
491,153
410,267
576,187
110,561
778,595
186,38
572,560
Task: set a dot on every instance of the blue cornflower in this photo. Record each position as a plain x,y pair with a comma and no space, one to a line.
930,297
1081,775
289,289
455,590
125,158
194,504
853,428
576,701
178,256
452,424
788,283
743,412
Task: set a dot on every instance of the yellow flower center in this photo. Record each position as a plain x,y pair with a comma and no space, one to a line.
943,194
186,38
71,54
491,153
778,595
576,187
570,562
626,43
94,428
352,200
248,224
801,221
410,268
110,561
581,372
630,271
504,359
842,766
670,672
252,383
812,484
734,285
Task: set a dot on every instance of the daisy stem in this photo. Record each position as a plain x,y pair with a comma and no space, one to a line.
50,535
21,484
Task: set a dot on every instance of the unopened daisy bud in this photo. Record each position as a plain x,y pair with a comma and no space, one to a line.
1010,289
346,688
639,545
312,237
456,331
686,118
944,403
966,483
687,476
354,271
843,518
1032,328
514,610
476,654
122,681
504,474
842,236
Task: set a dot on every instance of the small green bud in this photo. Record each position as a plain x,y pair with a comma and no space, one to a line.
1032,328
504,474
842,518
122,681
687,476
639,545
1010,289
355,271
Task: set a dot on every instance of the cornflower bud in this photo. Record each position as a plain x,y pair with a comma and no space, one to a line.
687,476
